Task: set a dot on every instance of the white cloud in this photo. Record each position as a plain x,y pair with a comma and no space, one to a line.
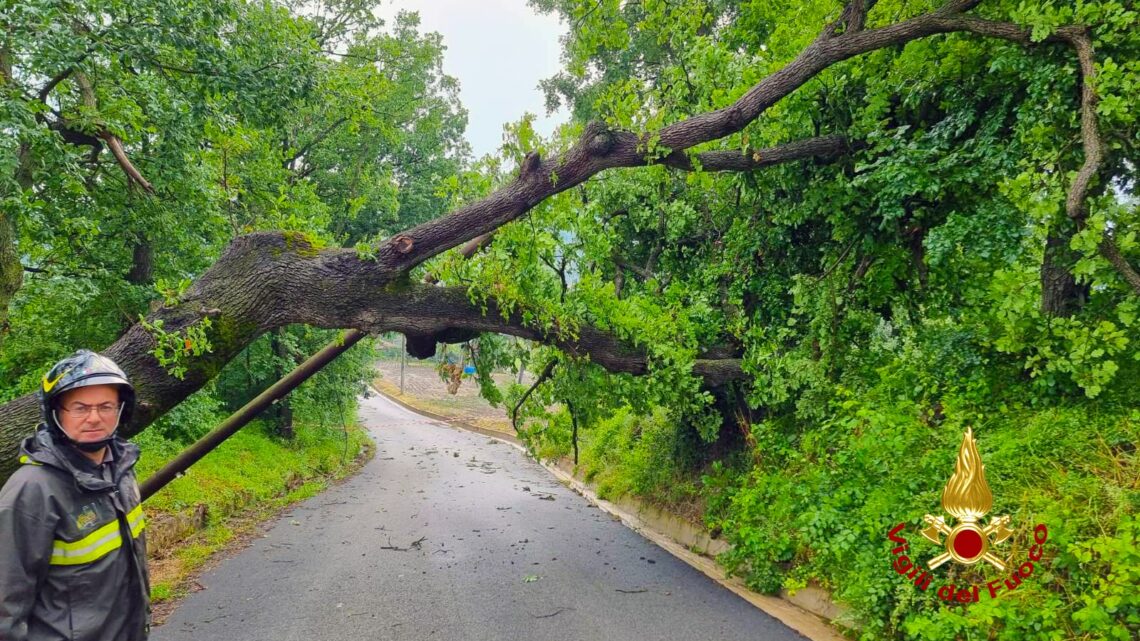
498,50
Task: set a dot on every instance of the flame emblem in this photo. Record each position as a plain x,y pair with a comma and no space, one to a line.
967,498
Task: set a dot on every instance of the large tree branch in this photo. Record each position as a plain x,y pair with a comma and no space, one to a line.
1076,204
442,311
125,164
51,84
823,147
1112,254
1076,200
133,175
600,148
472,247
265,281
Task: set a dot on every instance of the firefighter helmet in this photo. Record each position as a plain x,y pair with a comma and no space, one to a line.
82,369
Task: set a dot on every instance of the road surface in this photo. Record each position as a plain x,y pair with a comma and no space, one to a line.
449,535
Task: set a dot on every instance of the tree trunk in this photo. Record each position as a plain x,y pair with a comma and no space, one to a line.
11,271
573,431
283,408
1061,295
142,263
268,280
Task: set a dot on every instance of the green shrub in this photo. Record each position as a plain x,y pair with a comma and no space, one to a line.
819,504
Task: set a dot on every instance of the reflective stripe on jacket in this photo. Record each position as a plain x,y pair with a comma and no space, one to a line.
73,552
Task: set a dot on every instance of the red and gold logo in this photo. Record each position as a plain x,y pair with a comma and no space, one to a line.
967,498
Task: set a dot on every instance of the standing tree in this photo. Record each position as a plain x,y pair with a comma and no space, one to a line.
224,118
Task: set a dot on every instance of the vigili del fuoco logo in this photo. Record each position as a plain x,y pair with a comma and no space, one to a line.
967,498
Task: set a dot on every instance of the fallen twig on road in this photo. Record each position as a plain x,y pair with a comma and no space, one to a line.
414,545
547,616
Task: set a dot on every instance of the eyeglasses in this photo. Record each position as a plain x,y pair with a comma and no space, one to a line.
106,410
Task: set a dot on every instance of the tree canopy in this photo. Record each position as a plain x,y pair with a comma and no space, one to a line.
759,213
790,207
142,138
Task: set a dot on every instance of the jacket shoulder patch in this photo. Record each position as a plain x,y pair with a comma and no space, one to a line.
86,518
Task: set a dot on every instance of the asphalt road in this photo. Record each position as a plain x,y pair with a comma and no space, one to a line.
448,535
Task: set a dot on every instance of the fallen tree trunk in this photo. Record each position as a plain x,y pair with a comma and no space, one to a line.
269,280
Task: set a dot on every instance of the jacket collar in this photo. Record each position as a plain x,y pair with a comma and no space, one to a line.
48,447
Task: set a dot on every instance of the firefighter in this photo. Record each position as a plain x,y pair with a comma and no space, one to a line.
72,548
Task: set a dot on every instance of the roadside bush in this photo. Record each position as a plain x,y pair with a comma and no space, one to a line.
640,455
819,505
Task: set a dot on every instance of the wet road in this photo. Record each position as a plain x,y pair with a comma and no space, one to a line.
449,535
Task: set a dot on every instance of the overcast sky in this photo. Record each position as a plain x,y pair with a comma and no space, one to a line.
498,50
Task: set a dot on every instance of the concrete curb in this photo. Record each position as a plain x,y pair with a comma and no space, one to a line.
780,608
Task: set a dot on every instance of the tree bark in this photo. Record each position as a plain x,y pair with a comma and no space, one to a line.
142,262
283,412
11,270
268,280
1061,295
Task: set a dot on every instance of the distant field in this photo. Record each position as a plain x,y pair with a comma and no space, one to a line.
423,388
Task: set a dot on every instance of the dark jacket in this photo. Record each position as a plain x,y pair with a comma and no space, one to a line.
72,548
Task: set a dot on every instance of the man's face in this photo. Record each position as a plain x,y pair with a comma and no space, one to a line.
89,414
